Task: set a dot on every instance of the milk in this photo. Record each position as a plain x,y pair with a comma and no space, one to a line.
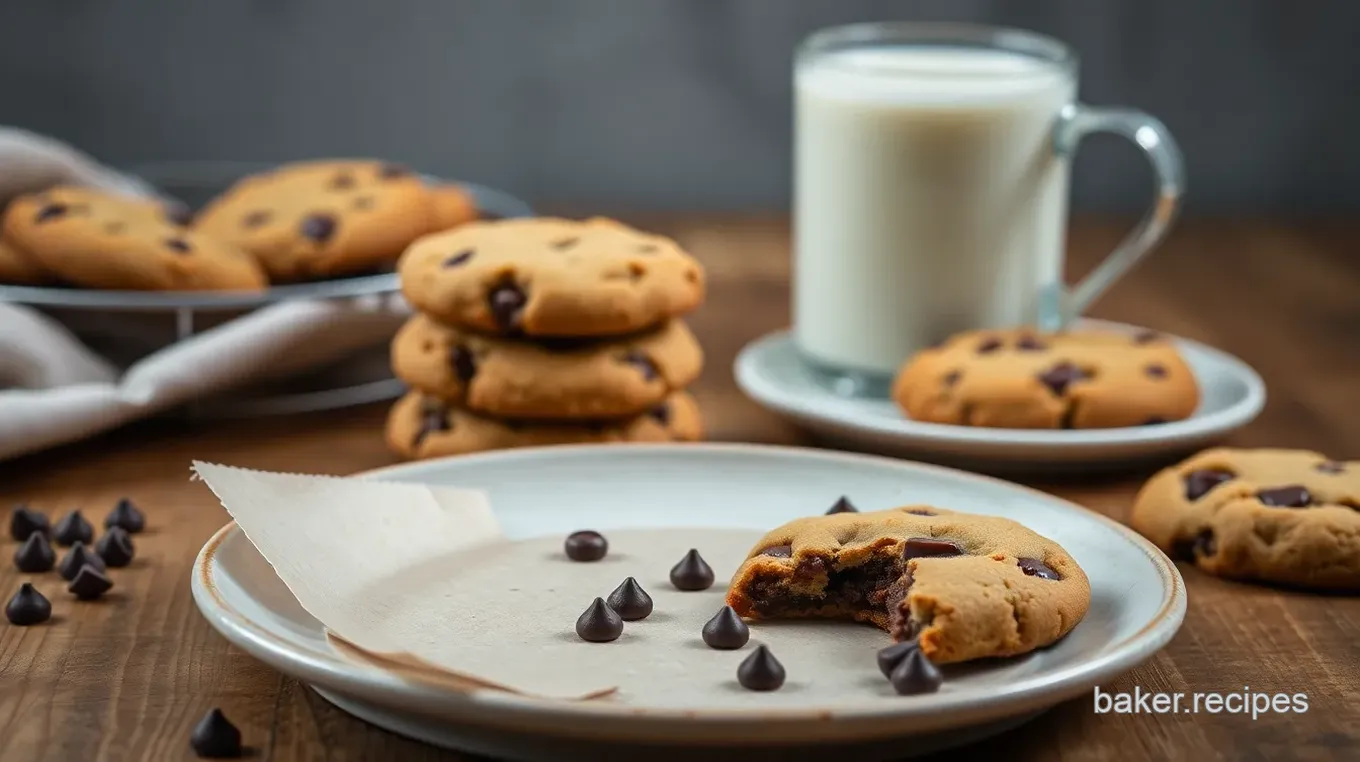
927,198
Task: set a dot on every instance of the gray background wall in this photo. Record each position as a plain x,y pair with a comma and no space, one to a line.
659,103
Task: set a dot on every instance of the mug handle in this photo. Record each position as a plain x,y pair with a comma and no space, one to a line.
1075,122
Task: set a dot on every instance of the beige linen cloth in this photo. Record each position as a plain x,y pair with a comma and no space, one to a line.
55,390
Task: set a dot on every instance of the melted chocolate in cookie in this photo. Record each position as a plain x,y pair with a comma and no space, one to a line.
464,364
1292,496
460,258
1198,483
507,305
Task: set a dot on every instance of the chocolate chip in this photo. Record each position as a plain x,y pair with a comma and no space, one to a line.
1155,370
692,573
1205,544
392,171
125,515
915,675
989,345
843,505
433,417
630,601
90,583
318,227
599,623
255,219
890,657
76,558
726,631
1331,467
1146,337
928,547
464,364
342,181
952,377
458,259
760,671
178,214
778,551
1198,483
73,528
662,413
1292,496
585,546
643,363
115,547
28,607
177,245
1154,420
920,512
214,737
24,522
50,212
507,305
1058,377
565,243
1030,344
1036,568
35,555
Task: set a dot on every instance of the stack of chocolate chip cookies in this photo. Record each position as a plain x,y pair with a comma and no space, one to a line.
545,331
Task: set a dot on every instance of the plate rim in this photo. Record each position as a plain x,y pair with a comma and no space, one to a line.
770,396
333,671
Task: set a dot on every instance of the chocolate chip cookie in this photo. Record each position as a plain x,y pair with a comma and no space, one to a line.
551,277
1018,379
964,586
553,380
452,206
420,426
17,270
1284,516
323,219
93,239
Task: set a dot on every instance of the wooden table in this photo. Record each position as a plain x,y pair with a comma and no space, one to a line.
126,678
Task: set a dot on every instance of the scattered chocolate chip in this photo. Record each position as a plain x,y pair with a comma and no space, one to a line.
125,515
585,545
391,171
842,505
255,219
318,227
1146,337
642,362
362,202
73,528
928,547
761,671
1292,496
342,181
1030,344
464,364
50,212
90,583
507,305
726,631
28,607
1197,483
76,558
177,245
599,623
630,601
915,674
178,214
692,573
1331,467
1060,376
214,737
115,547
951,378
35,555
890,657
662,413
989,345
565,243
458,259
1154,420
778,551
1155,370
24,522
1036,568
1205,544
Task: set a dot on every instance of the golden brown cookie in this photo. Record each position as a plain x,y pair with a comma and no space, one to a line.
97,240
1286,516
322,219
424,427
1017,379
550,277
17,270
452,206
562,379
965,586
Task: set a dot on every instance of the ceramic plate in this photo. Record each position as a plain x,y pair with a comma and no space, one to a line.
770,371
1138,602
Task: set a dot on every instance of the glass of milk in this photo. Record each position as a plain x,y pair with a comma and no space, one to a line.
931,166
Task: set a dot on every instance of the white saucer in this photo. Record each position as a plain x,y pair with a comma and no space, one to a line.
770,371
1138,602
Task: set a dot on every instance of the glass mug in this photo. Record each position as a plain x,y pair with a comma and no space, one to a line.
931,166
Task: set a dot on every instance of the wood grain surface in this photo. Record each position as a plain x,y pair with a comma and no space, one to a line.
126,678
